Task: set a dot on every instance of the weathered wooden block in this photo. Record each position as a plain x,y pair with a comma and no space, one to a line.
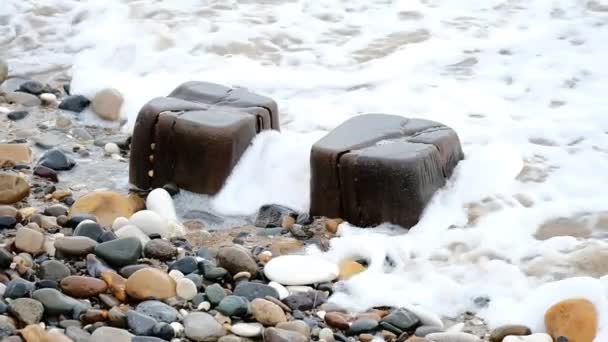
377,168
196,135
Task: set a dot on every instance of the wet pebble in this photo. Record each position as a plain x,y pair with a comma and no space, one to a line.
424,330
186,265
163,330
89,229
47,173
362,326
17,115
74,103
107,103
400,320
7,222
57,160
32,87
498,334
271,215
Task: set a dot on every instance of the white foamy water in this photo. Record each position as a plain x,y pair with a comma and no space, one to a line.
523,83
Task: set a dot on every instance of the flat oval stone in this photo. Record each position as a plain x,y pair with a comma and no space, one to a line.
298,326
201,327
140,324
266,312
247,329
105,334
120,252
300,270
215,293
75,245
233,306
160,249
251,290
57,160
236,259
157,310
82,287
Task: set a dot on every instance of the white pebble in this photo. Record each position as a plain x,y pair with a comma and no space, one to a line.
116,156
185,288
178,328
283,292
310,270
183,312
119,222
204,306
132,231
540,337
452,337
321,314
160,201
150,223
176,274
299,289
247,329
48,98
4,110
111,148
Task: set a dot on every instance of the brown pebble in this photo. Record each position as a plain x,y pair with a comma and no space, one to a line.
82,287
366,337
150,283
61,194
116,283
287,222
331,225
337,320
417,339
93,315
108,300
388,336
279,303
